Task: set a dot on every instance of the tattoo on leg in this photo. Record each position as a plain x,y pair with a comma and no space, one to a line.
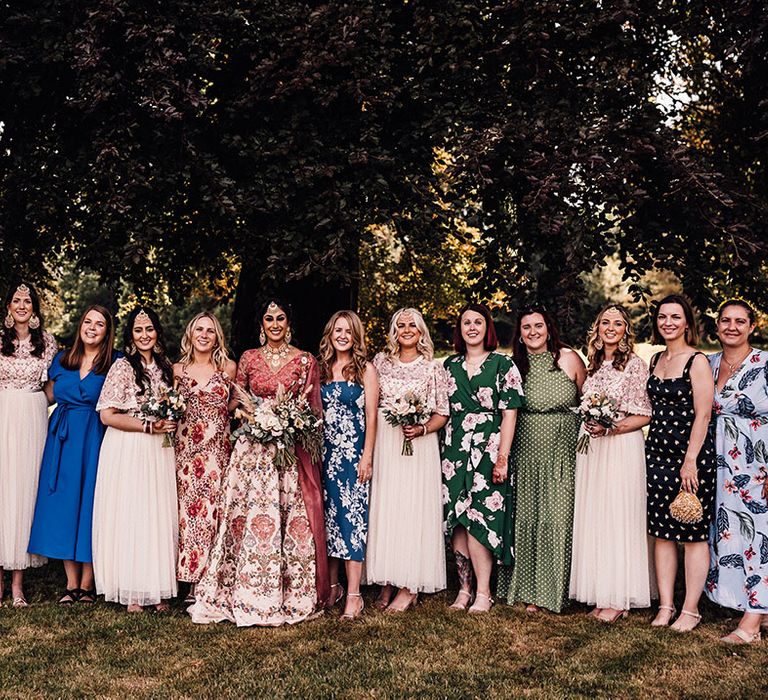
465,572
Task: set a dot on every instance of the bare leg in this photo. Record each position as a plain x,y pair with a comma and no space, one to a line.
337,592
403,600
384,597
463,569
86,577
482,563
17,583
354,604
73,570
696,568
665,557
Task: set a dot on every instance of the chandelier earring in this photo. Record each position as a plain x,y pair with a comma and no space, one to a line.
132,349
8,321
598,343
34,322
262,337
288,336
159,349
623,345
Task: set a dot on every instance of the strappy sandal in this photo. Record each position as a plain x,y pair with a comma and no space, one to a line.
610,619
668,608
20,601
162,607
87,596
475,610
339,594
413,601
696,616
459,606
354,616
69,596
745,637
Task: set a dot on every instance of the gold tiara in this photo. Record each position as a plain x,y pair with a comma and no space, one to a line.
143,316
272,306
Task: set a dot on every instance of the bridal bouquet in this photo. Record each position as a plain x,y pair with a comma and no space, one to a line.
281,422
166,404
408,409
595,408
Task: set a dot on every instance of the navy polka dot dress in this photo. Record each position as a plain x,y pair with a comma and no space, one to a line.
670,430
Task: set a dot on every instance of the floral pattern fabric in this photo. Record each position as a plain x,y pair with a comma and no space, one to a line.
470,449
22,371
202,455
738,575
121,392
345,496
262,566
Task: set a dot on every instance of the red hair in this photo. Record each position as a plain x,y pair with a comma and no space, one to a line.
490,342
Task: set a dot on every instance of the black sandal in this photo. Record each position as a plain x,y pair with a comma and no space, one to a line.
70,596
89,594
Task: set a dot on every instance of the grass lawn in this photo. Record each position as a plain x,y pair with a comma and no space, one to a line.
48,651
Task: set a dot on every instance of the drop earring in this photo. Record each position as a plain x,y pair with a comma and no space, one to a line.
8,322
598,343
262,337
623,345
34,322
288,336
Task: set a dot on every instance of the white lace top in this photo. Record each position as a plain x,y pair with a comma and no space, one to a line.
425,378
22,371
627,388
120,390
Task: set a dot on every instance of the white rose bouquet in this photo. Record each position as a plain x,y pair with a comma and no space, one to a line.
281,422
595,408
408,409
166,404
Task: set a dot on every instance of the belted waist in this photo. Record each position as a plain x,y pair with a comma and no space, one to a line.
59,427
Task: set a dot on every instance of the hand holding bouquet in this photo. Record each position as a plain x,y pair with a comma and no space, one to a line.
595,408
167,405
408,409
281,422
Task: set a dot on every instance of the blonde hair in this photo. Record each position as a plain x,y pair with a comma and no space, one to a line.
219,355
596,355
425,345
353,371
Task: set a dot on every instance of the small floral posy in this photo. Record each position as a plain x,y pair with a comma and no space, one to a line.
280,422
595,408
166,404
408,409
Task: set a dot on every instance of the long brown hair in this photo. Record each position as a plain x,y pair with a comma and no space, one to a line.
595,351
8,336
353,371
72,357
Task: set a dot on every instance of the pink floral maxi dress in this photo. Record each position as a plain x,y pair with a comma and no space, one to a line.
268,564
610,564
202,455
23,423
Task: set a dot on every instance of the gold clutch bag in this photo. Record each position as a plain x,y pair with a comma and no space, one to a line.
687,508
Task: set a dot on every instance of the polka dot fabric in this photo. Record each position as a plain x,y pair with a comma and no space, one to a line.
668,435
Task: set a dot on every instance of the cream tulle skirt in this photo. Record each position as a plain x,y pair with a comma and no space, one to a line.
23,426
406,546
611,563
135,519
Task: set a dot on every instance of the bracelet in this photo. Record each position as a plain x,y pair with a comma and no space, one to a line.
425,430
144,426
151,428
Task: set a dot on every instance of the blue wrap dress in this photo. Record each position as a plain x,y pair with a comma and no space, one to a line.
61,528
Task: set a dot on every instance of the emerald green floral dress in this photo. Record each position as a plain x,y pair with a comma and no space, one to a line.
470,449
544,463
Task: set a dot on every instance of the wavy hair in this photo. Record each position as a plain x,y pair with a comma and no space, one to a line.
425,345
219,354
158,352
72,357
354,370
520,351
596,355
8,336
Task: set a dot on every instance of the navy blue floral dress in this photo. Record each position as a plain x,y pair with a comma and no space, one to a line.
345,497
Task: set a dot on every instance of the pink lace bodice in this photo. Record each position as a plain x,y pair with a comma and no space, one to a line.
22,371
424,377
120,390
627,388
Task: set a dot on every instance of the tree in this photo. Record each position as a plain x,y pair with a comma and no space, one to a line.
258,145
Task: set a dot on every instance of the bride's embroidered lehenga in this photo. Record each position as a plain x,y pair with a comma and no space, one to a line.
268,565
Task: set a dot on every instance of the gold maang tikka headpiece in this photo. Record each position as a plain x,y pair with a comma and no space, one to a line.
22,289
272,307
143,316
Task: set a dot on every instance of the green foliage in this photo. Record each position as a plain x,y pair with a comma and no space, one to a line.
160,144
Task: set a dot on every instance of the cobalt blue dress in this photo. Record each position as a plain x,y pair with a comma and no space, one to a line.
345,497
61,528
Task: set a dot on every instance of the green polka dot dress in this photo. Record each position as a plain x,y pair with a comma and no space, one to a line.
544,463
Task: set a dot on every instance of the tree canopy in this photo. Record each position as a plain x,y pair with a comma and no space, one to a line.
252,146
